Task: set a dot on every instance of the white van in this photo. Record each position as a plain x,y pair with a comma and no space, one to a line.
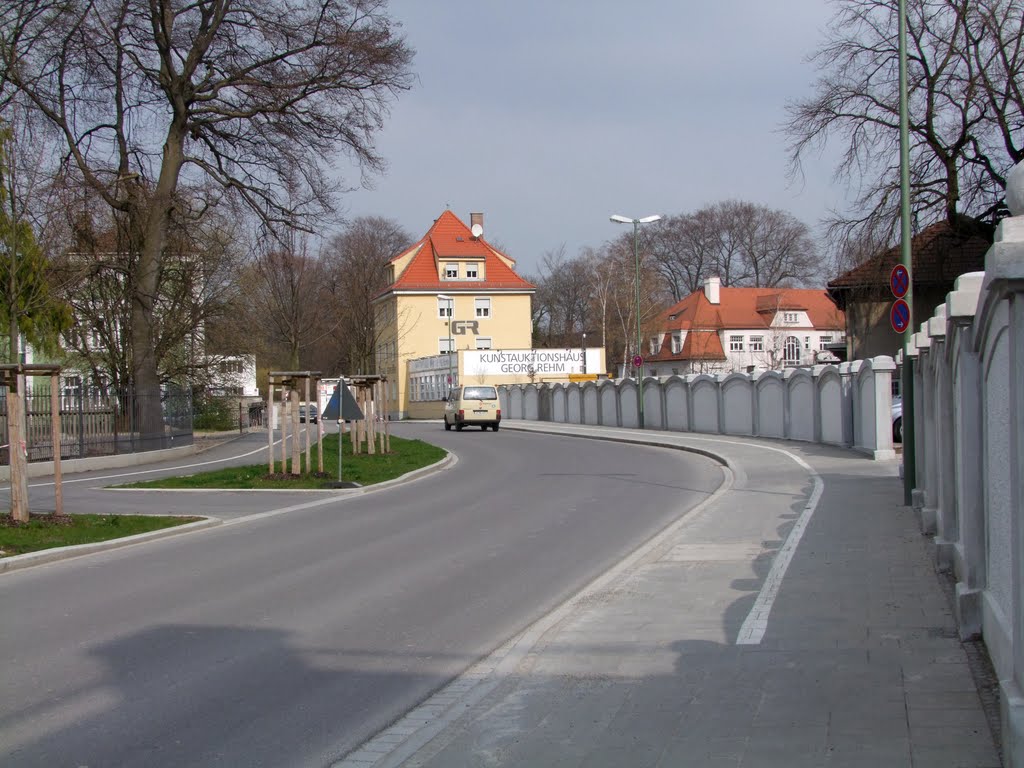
472,405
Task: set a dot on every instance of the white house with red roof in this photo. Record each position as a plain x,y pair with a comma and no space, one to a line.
721,330
451,296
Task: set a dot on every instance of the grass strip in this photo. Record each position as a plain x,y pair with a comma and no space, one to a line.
46,531
365,469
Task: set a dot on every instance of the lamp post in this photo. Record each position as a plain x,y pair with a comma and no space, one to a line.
583,362
639,341
451,314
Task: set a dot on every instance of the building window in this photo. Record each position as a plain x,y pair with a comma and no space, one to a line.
654,346
790,317
445,345
757,343
483,307
471,271
451,271
483,342
444,307
824,341
792,350
735,343
677,343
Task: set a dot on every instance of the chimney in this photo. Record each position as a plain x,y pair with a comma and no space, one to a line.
476,220
711,288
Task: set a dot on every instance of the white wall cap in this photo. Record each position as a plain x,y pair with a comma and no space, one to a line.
883,363
921,340
1010,230
899,357
937,322
923,329
1005,261
911,350
962,303
969,281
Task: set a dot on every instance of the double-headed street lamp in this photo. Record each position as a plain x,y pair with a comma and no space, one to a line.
639,341
451,315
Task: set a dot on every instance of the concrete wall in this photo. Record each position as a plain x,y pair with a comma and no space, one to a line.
969,429
847,405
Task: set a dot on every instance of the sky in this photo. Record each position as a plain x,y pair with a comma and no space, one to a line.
550,116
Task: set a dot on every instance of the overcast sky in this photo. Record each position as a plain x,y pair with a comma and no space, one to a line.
548,116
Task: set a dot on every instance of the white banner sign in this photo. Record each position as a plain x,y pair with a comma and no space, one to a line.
524,362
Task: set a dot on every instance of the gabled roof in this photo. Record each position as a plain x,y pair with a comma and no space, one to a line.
739,309
939,254
450,238
749,308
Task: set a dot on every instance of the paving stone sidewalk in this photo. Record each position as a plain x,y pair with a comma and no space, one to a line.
679,659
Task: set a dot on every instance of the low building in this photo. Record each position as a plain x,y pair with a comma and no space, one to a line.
939,255
721,330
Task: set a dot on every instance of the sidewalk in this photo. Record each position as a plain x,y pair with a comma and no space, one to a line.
794,619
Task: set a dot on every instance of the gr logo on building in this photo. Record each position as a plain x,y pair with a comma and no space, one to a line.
462,327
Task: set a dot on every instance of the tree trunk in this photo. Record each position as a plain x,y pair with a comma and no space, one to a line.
144,364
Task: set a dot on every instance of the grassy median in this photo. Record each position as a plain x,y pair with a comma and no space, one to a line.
46,531
364,469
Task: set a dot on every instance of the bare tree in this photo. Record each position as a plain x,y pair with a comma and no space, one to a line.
286,288
250,95
195,287
964,74
357,263
743,243
563,299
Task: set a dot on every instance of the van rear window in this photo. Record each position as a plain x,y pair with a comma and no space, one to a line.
480,393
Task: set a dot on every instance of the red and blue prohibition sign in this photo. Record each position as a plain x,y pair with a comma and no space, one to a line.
899,316
899,281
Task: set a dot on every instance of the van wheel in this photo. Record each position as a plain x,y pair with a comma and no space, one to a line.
494,427
447,426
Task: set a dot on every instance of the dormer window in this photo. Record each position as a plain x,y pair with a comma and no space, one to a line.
471,271
790,317
451,271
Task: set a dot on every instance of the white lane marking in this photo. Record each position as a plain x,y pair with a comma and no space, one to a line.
92,478
753,628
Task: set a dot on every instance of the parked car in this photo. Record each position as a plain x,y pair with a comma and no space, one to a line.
313,414
472,405
897,419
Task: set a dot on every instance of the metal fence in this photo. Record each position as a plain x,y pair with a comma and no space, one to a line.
96,422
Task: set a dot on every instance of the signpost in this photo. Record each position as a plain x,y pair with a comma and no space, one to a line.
899,316
899,281
343,407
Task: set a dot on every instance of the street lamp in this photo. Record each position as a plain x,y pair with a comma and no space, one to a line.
639,341
583,362
451,314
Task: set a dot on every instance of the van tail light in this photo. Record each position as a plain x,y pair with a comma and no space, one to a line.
462,413
499,413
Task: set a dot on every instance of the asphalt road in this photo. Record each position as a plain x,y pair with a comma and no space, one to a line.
289,639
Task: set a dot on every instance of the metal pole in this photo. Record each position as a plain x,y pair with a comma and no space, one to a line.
909,454
640,370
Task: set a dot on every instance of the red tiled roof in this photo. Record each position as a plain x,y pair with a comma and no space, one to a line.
702,345
939,254
449,238
739,308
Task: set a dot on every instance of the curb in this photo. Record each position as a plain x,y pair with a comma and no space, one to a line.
29,559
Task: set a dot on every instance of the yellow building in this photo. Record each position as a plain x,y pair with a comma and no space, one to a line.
450,292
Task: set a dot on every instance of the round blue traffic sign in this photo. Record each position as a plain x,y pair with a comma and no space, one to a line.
899,315
899,281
